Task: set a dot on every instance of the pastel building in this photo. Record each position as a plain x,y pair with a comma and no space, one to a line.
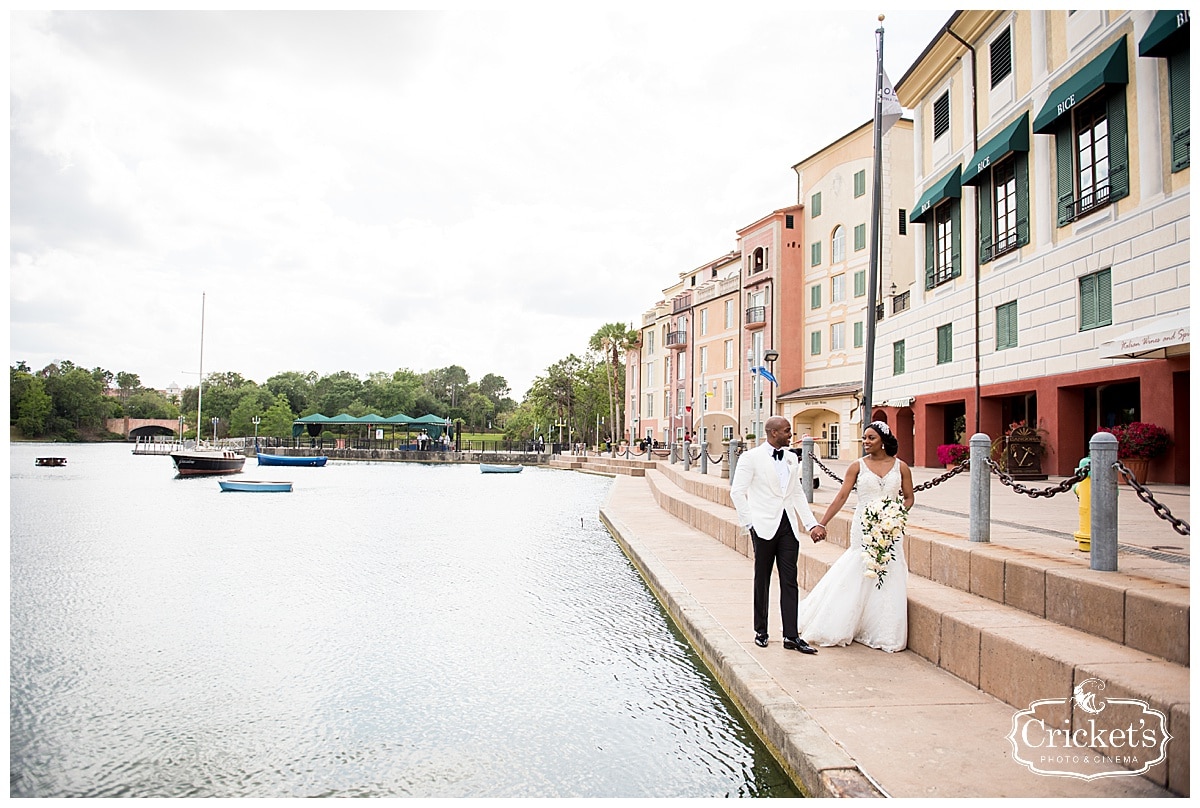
1050,234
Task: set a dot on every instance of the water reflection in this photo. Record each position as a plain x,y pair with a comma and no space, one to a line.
384,630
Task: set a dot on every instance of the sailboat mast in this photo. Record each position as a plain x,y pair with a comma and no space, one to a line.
200,384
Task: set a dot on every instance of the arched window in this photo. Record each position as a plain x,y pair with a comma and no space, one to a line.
839,244
758,261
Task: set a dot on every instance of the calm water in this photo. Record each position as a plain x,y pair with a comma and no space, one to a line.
384,630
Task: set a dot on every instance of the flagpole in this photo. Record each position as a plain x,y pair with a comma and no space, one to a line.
872,274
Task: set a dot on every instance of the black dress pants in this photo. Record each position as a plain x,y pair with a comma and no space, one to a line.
782,552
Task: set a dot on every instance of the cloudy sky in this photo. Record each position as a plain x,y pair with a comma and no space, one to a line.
370,191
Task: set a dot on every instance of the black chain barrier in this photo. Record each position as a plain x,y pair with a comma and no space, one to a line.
826,468
1080,475
959,469
1144,494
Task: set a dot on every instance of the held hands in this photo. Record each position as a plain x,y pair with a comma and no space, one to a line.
818,533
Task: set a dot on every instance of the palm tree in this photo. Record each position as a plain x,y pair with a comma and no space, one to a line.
613,340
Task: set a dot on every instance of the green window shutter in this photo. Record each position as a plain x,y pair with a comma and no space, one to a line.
897,358
1118,146
1104,297
860,236
816,204
858,334
930,243
1095,300
816,253
1087,302
860,283
1006,326
1065,170
945,344
816,297
956,238
816,342
1022,172
860,183
1179,76
983,193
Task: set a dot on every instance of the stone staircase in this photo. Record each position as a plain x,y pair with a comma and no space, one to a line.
602,464
1018,625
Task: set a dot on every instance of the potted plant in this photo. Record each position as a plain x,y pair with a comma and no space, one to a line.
1137,444
951,454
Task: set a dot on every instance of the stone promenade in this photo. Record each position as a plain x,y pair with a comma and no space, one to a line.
993,627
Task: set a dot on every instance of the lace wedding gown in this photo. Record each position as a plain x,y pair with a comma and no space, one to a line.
845,606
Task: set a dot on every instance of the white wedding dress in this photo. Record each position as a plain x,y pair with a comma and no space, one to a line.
845,606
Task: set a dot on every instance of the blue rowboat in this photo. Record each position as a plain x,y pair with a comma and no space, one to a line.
488,468
255,485
287,460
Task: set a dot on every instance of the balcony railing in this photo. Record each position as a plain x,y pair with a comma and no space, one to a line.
681,303
676,339
900,303
1085,204
756,317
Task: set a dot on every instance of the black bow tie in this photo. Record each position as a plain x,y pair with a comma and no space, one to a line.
777,454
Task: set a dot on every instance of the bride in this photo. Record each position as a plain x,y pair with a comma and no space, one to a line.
846,604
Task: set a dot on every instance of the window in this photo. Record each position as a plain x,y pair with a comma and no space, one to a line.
860,283
1178,76
816,205
1006,326
860,237
839,244
727,395
704,360
649,405
649,343
681,365
1000,52
758,261
860,183
1004,207
1091,154
942,261
858,334
837,289
727,430
1095,300
837,337
666,404
816,253
815,296
679,404
903,230
945,344
1091,142
728,354
789,221
729,309
815,346
703,322
897,358
941,115
666,369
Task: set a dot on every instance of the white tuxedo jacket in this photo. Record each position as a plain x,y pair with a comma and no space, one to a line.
760,501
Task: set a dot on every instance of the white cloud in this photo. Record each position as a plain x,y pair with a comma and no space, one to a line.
368,191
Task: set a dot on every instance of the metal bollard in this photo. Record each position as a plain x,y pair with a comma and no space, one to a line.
732,456
687,455
704,458
806,466
1103,451
672,453
981,488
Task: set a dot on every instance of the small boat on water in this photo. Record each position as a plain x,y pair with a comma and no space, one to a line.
195,462
255,485
489,468
50,461
287,460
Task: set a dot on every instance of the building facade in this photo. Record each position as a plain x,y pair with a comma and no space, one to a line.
1051,235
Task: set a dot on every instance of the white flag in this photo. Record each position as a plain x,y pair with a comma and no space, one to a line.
891,110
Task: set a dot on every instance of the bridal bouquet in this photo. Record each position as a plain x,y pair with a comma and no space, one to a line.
883,527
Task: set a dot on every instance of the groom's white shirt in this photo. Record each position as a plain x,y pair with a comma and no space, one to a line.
761,499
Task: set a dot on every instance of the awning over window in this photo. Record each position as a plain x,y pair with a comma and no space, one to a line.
1013,138
948,186
1110,67
1168,33
1161,337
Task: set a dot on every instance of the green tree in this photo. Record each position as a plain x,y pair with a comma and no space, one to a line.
250,406
128,384
298,387
149,404
78,396
613,340
277,421
477,410
34,409
446,384
334,393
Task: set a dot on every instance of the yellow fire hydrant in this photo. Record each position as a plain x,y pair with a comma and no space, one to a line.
1083,491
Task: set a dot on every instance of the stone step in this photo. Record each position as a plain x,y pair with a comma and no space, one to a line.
1018,652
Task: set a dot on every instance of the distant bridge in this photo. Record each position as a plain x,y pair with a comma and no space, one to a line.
134,428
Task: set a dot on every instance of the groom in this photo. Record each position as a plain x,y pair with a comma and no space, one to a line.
766,494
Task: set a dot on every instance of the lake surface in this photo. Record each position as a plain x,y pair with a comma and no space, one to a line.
386,629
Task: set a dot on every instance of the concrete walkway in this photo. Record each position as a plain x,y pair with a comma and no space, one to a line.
859,722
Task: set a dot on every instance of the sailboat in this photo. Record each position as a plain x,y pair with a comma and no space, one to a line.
199,460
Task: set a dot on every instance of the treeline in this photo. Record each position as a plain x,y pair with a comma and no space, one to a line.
65,402
576,398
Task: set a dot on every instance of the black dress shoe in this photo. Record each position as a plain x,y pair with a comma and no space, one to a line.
760,640
797,644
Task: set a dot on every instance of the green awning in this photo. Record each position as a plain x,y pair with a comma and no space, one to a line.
1110,67
1013,138
1168,33
311,419
948,186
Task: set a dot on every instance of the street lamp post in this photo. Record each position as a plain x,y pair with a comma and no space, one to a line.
215,421
256,420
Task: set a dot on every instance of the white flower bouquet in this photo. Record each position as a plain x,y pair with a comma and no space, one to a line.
883,527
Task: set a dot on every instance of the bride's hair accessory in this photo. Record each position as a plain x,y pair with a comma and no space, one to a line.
880,427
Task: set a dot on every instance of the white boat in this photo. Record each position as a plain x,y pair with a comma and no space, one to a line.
490,468
255,485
